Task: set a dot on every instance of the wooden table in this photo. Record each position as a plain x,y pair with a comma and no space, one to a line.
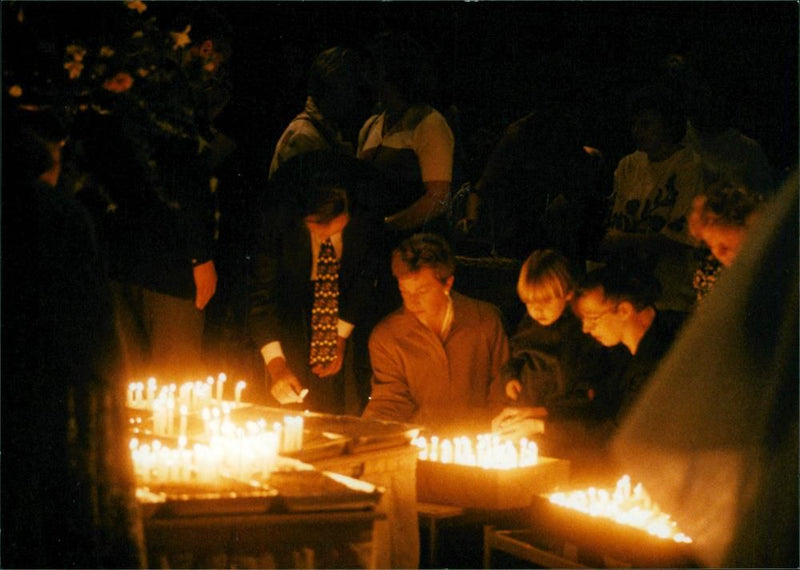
396,537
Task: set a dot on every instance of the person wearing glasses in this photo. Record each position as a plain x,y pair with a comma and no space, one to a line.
617,307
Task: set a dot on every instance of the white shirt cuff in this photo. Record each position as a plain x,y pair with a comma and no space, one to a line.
343,328
271,351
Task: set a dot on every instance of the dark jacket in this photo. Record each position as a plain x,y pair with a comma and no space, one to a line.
633,376
281,292
152,200
559,366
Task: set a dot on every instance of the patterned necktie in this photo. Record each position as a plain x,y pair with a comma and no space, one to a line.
325,312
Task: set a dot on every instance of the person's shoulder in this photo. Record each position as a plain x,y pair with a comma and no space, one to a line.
415,114
373,122
632,161
685,155
300,128
392,325
476,308
570,323
424,116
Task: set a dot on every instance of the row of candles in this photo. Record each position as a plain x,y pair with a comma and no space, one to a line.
240,452
625,505
194,395
488,451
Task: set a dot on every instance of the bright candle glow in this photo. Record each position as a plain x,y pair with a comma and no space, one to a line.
622,505
194,395
490,452
243,452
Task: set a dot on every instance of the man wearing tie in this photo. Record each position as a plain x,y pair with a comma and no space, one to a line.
312,293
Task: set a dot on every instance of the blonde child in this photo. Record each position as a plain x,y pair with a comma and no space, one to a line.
554,368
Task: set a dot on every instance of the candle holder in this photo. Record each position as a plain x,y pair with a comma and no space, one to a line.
485,474
618,525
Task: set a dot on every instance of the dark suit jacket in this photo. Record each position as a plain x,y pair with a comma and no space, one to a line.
281,292
163,217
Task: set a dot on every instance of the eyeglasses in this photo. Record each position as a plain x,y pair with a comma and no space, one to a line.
592,320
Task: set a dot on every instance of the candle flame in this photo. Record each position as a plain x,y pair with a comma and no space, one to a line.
489,451
631,507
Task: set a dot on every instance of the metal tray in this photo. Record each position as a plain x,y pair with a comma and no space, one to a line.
361,434
232,497
306,491
364,435
318,446
607,537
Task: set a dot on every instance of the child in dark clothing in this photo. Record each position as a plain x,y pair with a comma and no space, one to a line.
555,368
553,365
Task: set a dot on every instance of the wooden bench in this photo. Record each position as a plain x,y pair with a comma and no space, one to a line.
430,515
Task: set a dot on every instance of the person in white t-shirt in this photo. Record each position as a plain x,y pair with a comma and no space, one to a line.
653,192
409,142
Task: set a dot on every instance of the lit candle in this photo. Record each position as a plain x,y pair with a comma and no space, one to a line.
146,459
294,428
618,506
186,394
159,416
131,392
447,451
240,385
220,382
151,392
206,414
184,413
139,390
170,415
270,448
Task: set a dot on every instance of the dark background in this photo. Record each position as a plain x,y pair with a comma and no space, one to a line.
495,60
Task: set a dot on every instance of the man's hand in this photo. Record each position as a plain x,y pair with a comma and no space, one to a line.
516,423
205,281
513,389
336,364
286,388
470,218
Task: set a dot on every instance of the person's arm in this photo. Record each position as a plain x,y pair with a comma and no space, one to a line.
300,137
434,144
500,354
429,206
205,282
391,397
472,211
284,385
263,321
262,318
